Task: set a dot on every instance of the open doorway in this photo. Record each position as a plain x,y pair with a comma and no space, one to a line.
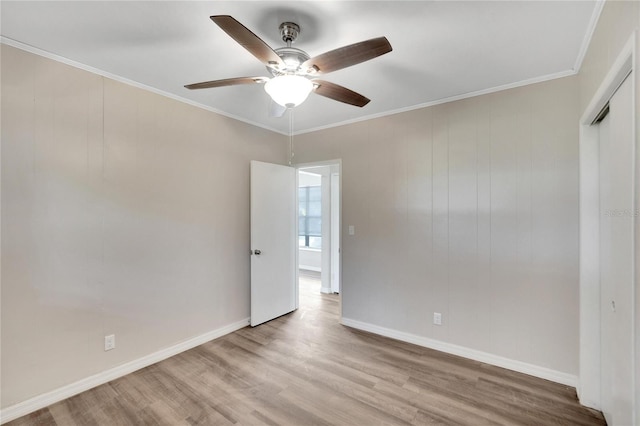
318,232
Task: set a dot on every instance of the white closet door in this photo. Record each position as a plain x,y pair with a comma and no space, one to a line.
616,257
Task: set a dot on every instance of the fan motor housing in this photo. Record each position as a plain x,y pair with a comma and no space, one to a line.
293,58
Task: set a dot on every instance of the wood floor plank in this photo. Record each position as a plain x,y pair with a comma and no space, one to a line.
305,368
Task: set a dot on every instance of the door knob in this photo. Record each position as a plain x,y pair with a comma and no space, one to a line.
257,252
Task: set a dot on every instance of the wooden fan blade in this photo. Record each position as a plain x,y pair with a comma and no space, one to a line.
227,82
346,56
248,40
339,93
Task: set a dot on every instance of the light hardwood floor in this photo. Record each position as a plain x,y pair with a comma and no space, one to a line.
306,369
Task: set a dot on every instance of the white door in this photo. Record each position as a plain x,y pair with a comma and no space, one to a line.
273,241
617,257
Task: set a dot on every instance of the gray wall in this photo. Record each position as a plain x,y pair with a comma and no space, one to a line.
123,212
469,209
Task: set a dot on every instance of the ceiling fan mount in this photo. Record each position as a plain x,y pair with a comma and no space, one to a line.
294,71
289,32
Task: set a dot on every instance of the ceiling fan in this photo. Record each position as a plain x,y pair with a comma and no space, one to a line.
293,71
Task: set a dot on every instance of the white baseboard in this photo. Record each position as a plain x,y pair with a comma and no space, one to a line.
56,395
510,364
326,290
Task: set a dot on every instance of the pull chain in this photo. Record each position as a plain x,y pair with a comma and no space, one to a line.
291,154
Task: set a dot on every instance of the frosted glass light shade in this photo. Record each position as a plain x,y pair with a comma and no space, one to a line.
288,90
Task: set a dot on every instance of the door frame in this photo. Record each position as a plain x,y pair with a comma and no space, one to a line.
589,385
335,162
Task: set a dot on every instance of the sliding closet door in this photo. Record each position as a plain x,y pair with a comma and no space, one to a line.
616,257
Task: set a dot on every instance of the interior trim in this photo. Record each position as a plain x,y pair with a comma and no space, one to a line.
54,57
499,361
616,75
591,29
115,77
23,408
460,97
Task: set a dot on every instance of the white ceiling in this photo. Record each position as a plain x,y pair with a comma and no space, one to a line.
441,50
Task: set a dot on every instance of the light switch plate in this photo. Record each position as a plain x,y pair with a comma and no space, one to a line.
352,230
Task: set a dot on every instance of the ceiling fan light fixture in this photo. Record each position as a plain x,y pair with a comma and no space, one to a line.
289,90
294,72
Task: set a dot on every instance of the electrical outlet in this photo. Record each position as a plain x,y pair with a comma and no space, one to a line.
109,342
437,318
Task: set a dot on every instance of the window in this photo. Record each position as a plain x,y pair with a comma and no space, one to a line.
310,217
